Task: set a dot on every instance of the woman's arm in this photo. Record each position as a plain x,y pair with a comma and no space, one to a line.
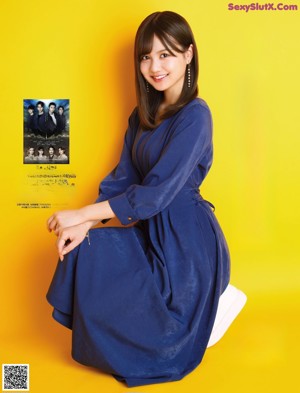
72,226
89,215
125,172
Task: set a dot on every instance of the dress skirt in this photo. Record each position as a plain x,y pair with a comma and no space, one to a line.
144,314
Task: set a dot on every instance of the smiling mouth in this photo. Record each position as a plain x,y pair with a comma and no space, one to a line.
159,78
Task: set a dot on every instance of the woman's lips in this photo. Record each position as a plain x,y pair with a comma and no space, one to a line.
159,77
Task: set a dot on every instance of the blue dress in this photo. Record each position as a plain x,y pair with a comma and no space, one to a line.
141,300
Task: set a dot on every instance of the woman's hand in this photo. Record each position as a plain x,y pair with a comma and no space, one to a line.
64,219
70,237
71,226
87,214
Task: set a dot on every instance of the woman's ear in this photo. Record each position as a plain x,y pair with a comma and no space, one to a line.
189,53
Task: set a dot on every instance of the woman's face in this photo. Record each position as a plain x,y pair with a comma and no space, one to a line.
164,71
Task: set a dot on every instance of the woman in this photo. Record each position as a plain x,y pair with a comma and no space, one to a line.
30,155
41,156
142,300
61,154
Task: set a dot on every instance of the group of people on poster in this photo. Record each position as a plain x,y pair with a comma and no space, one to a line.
46,123
40,156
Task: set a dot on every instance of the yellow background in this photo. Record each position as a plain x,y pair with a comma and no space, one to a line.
249,76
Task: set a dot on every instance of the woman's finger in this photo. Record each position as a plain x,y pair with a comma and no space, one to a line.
61,242
54,223
70,238
71,245
50,219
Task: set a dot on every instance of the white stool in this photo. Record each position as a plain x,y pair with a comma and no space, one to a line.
231,303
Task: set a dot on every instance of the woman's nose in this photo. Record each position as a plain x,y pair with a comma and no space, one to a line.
154,65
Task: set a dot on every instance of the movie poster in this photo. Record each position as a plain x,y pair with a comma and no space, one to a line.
67,90
46,131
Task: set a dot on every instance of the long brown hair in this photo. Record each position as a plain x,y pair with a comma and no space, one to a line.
167,26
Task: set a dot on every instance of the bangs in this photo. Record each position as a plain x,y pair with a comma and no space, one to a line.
145,42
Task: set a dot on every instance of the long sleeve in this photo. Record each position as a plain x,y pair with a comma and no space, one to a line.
187,146
124,174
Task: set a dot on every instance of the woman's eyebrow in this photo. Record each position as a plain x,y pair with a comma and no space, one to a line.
162,50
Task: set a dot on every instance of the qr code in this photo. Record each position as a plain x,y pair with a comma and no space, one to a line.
15,377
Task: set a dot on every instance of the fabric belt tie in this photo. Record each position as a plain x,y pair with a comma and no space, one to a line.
200,198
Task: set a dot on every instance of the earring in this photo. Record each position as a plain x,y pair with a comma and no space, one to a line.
189,75
147,87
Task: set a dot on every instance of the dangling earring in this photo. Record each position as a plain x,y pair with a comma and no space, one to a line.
147,87
189,75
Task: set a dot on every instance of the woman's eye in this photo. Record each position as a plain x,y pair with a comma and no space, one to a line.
145,57
165,55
